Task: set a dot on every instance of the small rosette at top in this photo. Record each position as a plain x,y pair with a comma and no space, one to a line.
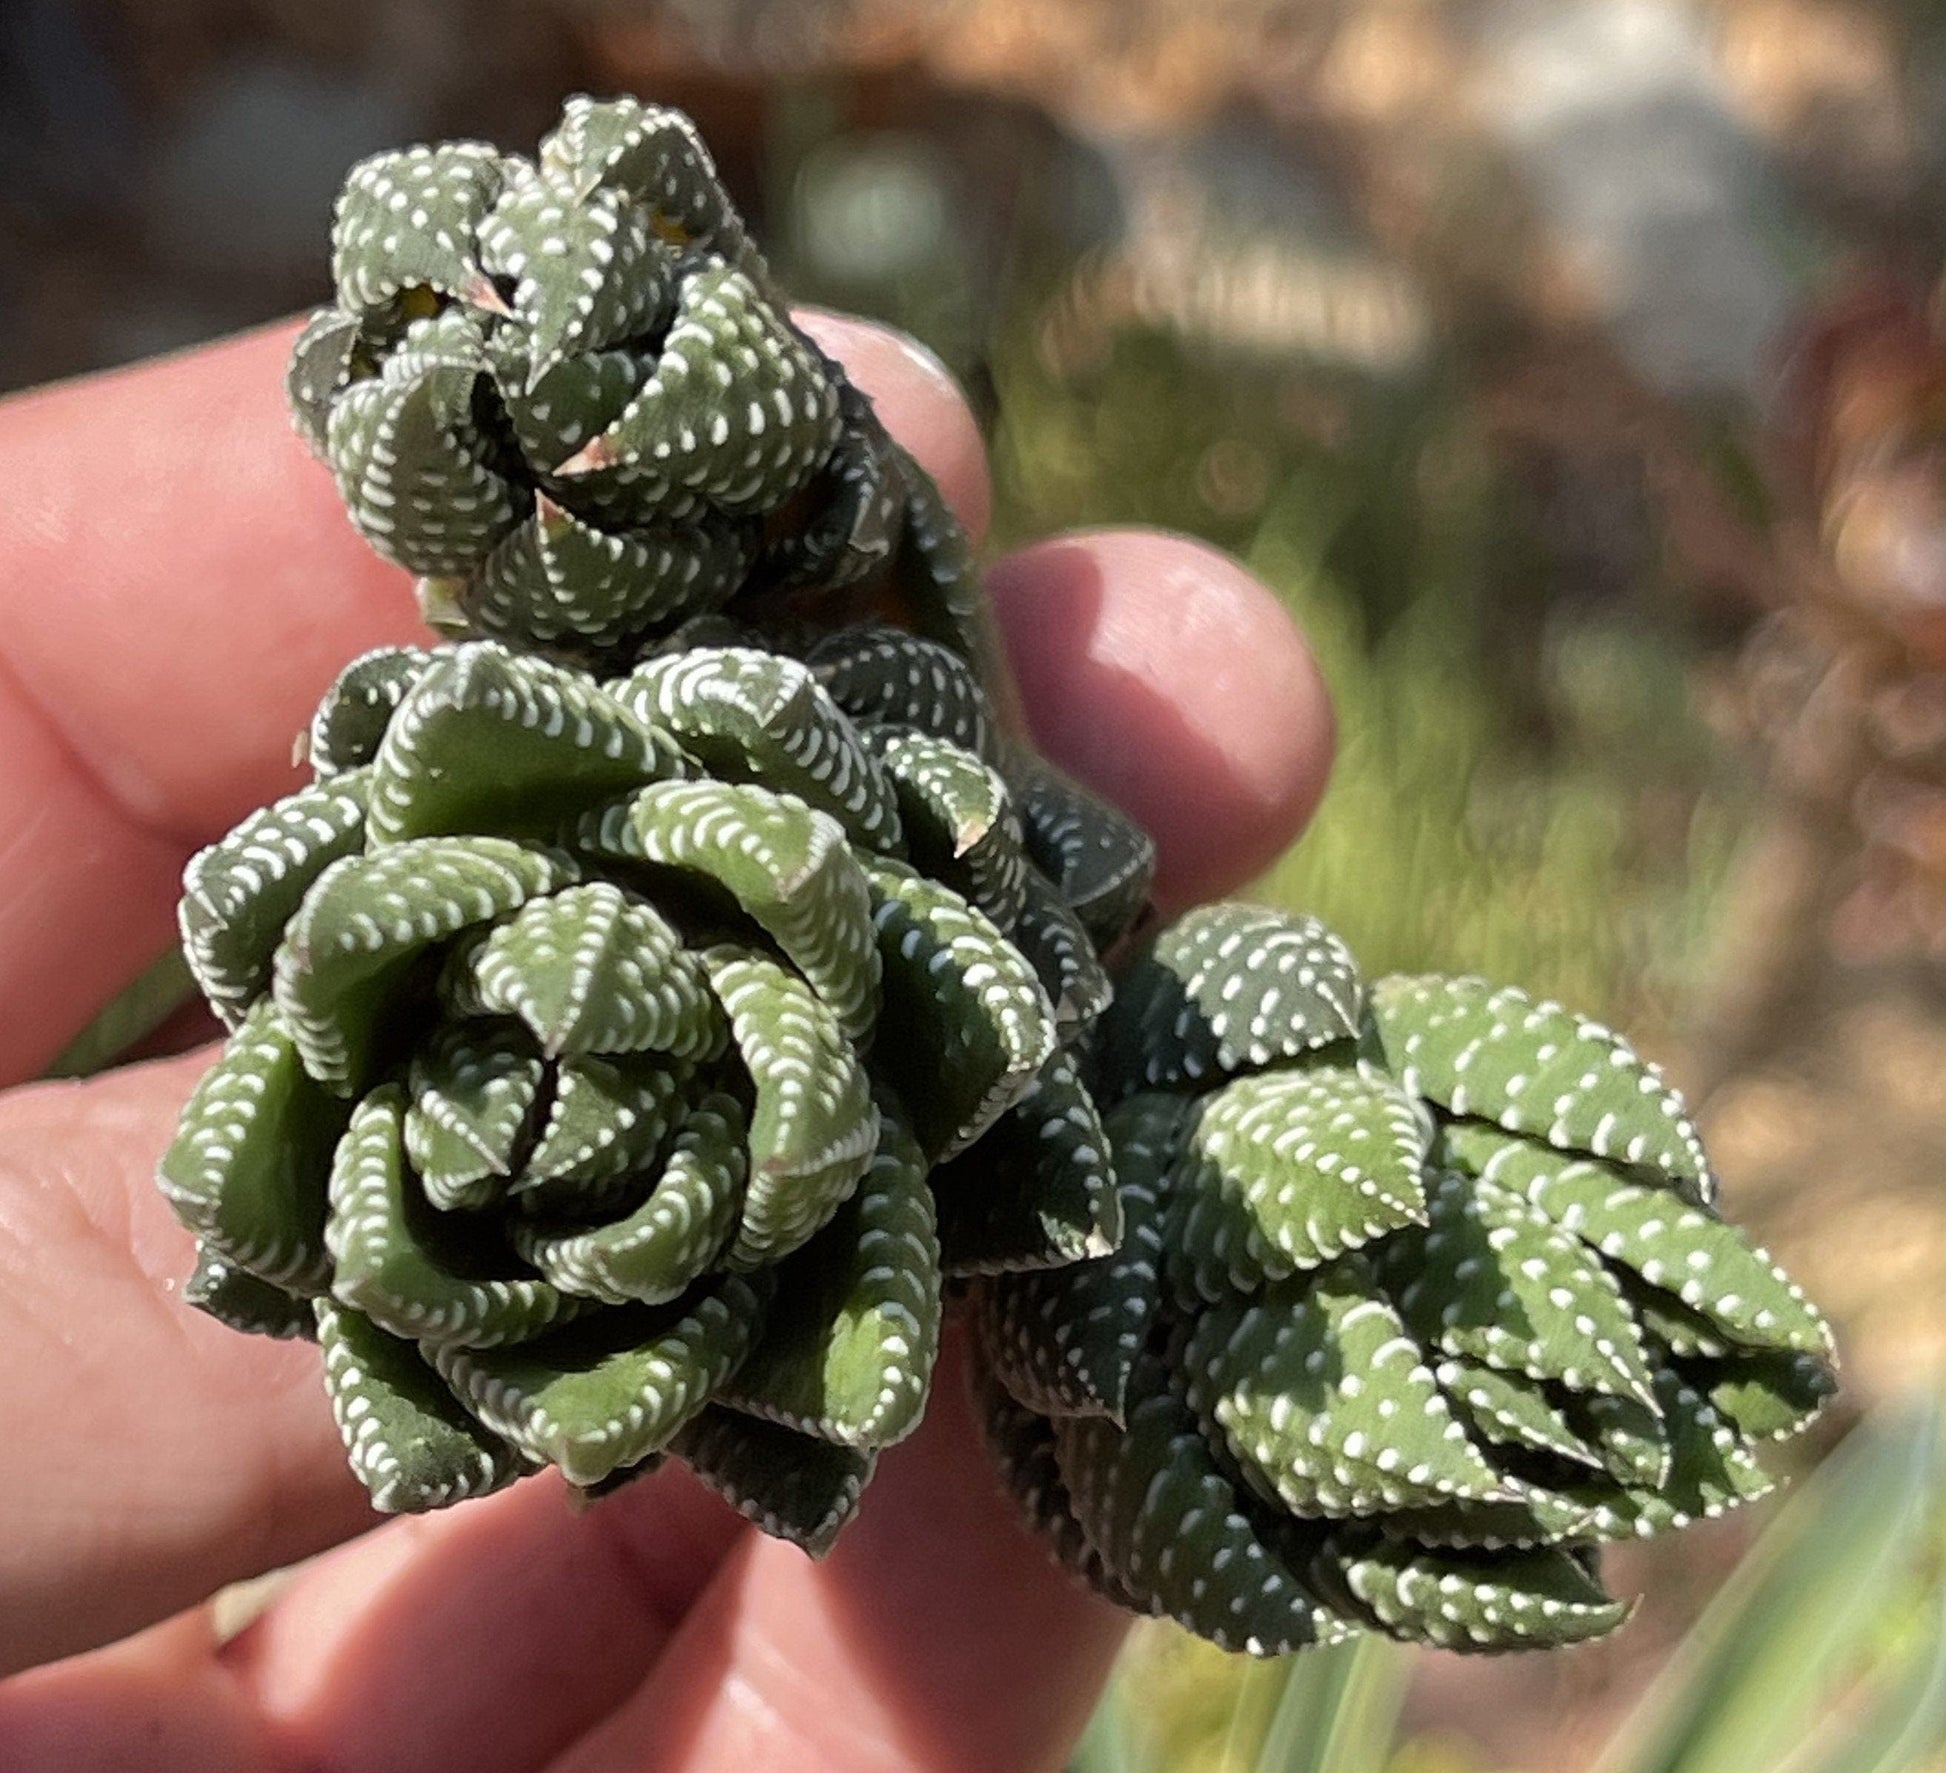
619,1065
1423,1296
565,393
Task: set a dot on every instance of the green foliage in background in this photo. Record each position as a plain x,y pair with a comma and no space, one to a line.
1523,787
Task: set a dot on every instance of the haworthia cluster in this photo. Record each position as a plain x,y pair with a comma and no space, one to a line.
678,986
596,1040
564,391
1425,1298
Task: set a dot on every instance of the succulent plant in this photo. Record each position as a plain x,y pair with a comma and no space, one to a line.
677,986
1424,1296
593,1043
564,392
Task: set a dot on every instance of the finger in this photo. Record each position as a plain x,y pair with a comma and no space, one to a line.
162,1702
486,1638
1169,679
86,897
155,1454
936,1638
167,624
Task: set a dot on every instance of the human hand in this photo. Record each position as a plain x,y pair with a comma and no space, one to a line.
177,587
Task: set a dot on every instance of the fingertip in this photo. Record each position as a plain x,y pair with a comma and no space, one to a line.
209,588
920,403
1170,679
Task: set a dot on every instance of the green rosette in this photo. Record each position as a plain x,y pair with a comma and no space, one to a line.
565,392
600,1045
1425,1297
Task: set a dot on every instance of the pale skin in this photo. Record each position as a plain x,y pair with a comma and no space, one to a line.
177,586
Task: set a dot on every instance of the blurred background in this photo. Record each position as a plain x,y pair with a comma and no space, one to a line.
1576,371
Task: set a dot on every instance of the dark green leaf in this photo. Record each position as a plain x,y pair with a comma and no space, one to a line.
1290,1169
408,1273
1229,988
411,1444
606,1392
249,1169
1327,1403
789,1485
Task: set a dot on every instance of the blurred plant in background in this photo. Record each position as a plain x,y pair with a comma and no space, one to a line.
1465,323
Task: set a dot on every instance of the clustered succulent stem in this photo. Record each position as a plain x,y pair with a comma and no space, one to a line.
678,984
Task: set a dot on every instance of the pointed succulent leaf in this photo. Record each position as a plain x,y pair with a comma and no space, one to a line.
815,1127
759,717
605,1393
412,463
1172,1531
238,894
411,1444
848,1345
609,1118
1629,1436
790,1485
676,1234
591,969
582,1497
884,676
555,405
328,352
1532,1515
350,722
1290,1169
959,820
934,571
738,410
1037,1189
586,271
236,1297
653,156
249,1169
490,741
1062,956
964,1026
1497,1054
1708,1471
1326,1402
1511,1410
856,506
558,580
1764,1396
1493,1279
1230,988
407,219
1064,1341
1100,860
1667,1323
1022,1445
415,1271
1686,1251
1477,1600
365,923
472,1089
788,866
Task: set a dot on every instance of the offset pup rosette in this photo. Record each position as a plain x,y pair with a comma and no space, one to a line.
594,1043
1424,1296
564,392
